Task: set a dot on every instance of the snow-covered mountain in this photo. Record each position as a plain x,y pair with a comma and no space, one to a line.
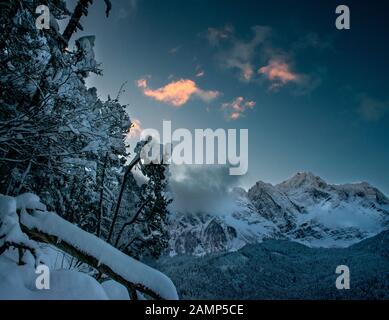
303,208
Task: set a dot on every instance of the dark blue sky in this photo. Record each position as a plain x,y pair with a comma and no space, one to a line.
321,94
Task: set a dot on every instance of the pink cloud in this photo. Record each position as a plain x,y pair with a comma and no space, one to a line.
278,72
235,109
235,116
247,72
142,83
176,93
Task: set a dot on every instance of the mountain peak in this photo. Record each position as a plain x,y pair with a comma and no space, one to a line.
302,179
303,208
239,191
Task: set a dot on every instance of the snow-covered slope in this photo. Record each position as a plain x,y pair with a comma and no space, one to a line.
303,208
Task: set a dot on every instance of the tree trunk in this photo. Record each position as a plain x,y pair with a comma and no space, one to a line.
100,209
124,183
74,22
133,219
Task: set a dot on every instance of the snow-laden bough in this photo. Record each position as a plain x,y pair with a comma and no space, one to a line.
24,219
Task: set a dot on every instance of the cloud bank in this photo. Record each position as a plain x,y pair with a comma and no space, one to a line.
202,188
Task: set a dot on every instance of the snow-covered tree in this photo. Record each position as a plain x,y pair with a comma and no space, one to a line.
62,142
145,232
56,135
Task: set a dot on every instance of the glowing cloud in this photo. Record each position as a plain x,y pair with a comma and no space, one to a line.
235,109
279,72
247,72
176,93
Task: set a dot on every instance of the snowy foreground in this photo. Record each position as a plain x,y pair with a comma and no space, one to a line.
66,282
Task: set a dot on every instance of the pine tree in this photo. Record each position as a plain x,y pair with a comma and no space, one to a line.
63,143
145,234
55,133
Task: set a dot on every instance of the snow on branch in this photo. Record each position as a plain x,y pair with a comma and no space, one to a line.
48,227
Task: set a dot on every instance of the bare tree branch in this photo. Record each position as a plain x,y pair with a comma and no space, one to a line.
133,219
124,182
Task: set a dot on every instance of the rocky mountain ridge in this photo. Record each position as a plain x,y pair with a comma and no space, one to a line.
304,208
